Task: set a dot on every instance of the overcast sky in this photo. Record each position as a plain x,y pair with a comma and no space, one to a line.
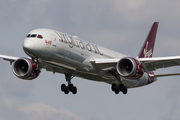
120,25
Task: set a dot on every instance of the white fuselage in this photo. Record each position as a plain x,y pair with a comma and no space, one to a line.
73,55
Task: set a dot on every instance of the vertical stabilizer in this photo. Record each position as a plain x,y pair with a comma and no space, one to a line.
148,46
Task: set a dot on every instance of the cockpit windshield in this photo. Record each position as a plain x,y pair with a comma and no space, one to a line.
28,35
34,36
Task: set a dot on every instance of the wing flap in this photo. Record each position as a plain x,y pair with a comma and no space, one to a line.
56,68
105,64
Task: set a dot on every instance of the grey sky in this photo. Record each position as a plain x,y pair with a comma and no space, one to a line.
116,24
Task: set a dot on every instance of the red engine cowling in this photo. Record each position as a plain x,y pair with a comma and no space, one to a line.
25,68
130,68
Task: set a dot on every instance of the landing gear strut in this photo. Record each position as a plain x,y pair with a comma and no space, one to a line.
37,61
120,87
70,87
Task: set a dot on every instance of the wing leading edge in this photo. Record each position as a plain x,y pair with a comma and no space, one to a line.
9,58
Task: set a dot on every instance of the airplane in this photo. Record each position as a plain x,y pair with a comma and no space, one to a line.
59,52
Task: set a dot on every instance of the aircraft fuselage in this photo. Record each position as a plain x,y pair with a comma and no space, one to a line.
70,54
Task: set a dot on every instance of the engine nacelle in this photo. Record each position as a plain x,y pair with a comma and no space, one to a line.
25,68
130,68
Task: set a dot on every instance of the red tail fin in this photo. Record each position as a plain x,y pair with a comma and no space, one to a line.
148,47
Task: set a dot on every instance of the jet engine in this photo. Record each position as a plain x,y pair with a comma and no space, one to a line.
130,68
25,68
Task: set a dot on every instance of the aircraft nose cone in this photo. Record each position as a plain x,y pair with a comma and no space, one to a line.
28,46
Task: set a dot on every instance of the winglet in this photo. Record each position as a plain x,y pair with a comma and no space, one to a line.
148,46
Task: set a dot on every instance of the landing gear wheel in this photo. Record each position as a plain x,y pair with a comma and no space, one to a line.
66,92
74,91
116,91
71,86
63,87
125,90
113,87
121,86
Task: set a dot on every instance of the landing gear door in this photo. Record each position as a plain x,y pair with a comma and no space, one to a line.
54,41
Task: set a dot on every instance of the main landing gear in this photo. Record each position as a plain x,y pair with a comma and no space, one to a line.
119,88
70,87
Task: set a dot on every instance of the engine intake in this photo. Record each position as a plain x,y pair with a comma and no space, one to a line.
25,68
130,68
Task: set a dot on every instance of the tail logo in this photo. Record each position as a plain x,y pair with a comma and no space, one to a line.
147,54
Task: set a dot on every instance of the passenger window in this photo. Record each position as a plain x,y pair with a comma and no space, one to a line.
40,36
33,35
28,35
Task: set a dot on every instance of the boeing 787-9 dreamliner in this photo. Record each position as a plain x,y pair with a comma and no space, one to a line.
62,53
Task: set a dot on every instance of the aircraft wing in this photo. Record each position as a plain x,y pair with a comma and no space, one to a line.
151,64
48,66
9,58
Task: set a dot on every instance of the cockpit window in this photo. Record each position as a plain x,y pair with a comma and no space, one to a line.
33,35
28,35
40,36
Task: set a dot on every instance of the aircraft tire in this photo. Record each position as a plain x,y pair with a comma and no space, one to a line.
74,91
121,87
71,87
125,90
113,87
116,91
66,92
63,87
